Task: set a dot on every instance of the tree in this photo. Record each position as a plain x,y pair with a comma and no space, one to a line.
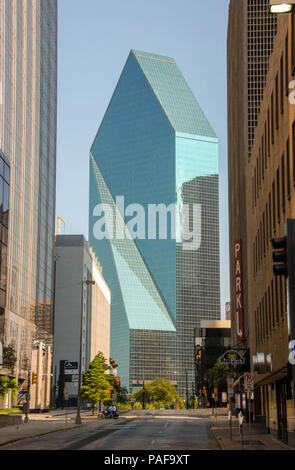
122,395
96,383
9,358
159,390
218,375
6,385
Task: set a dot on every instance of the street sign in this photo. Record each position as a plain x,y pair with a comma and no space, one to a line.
232,357
249,382
292,352
71,367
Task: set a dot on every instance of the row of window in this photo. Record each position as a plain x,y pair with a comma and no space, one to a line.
276,205
271,309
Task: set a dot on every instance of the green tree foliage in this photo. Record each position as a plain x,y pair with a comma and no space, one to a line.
122,395
159,390
96,383
218,375
6,385
9,358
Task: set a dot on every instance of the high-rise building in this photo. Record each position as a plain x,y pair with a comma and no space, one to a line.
76,261
251,29
156,149
28,76
261,186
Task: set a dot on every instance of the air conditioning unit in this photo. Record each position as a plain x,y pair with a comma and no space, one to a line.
262,363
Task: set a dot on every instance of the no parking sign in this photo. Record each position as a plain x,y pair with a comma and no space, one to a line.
249,382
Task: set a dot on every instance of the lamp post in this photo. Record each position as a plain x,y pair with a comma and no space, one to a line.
281,6
78,416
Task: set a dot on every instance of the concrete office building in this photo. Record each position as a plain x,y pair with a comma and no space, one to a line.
251,29
155,146
261,200
28,71
270,178
76,261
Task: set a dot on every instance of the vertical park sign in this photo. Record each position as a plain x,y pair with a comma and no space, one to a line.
239,291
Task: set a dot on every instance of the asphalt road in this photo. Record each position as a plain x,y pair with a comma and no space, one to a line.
140,431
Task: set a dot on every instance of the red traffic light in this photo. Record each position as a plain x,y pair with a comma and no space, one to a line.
143,390
117,382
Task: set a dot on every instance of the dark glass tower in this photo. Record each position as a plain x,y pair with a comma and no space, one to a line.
155,146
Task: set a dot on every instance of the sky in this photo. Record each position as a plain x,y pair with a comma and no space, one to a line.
95,38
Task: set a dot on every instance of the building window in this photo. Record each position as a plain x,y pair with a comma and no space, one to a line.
282,84
270,219
269,310
266,225
268,133
272,121
277,299
287,65
274,207
264,244
278,195
293,44
264,147
277,101
255,185
272,304
283,184
288,170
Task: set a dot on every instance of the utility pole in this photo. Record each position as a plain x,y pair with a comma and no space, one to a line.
186,382
78,416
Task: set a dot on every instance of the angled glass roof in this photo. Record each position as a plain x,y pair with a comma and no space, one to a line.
174,94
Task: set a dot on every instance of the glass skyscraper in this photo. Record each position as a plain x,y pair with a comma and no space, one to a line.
28,95
156,147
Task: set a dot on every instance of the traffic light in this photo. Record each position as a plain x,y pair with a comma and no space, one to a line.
34,378
117,382
198,355
113,363
280,256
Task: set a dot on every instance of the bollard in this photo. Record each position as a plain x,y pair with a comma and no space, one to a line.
241,420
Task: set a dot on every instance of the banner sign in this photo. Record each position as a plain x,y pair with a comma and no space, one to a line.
239,290
231,357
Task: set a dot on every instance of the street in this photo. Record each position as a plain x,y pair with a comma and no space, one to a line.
140,430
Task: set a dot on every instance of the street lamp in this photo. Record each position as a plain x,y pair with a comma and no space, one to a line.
78,417
279,6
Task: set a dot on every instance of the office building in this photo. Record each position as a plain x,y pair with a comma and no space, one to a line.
251,30
156,149
76,261
265,199
28,71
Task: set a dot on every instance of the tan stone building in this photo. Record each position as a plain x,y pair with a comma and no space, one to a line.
251,30
76,261
270,179
261,63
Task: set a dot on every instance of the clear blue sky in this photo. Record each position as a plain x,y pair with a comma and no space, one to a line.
95,38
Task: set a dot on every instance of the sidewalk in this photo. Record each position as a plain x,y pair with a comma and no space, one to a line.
256,440
46,423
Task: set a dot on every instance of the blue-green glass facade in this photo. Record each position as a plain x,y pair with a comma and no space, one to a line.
153,140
